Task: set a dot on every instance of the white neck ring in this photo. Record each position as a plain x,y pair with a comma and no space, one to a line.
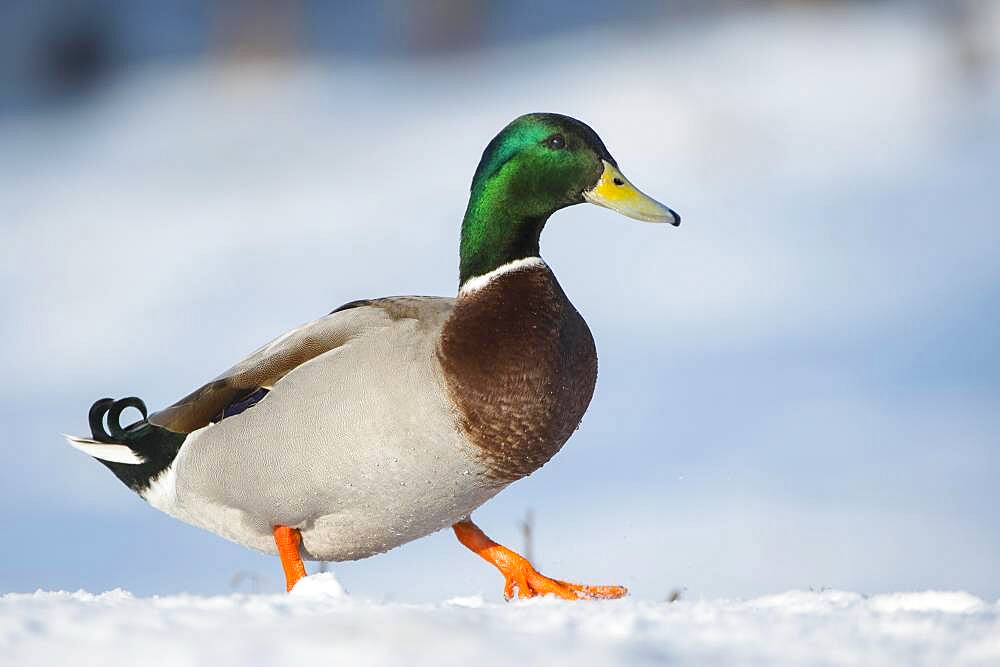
476,283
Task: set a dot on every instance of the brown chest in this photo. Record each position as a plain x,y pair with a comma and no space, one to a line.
520,364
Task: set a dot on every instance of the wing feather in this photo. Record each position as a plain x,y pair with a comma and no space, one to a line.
273,361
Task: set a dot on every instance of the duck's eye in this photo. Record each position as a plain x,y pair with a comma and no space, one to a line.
556,142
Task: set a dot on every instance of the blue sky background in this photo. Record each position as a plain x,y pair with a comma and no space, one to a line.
798,388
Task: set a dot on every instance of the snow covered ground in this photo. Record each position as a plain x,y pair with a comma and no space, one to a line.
319,624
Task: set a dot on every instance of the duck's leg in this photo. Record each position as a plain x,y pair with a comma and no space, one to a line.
288,540
518,572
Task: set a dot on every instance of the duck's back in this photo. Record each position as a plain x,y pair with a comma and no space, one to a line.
360,447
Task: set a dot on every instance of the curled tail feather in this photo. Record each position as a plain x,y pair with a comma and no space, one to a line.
137,453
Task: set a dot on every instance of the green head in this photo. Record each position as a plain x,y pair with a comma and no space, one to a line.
538,164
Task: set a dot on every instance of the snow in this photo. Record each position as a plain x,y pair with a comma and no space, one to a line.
319,623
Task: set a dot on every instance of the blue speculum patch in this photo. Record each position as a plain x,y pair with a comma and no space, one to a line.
241,404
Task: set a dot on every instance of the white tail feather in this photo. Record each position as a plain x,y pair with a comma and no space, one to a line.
104,450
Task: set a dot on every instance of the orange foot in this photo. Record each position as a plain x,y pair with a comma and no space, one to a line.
520,578
288,540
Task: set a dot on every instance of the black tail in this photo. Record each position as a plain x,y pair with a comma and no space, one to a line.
137,453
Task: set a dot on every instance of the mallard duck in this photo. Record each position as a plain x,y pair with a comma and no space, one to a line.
391,418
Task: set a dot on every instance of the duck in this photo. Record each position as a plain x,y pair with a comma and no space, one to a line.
391,418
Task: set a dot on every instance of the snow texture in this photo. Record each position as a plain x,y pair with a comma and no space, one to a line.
318,623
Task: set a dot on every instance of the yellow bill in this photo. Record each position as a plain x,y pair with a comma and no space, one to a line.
615,192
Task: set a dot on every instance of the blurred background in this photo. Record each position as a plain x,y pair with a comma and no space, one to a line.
799,387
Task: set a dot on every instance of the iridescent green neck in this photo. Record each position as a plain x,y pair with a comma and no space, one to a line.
498,228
